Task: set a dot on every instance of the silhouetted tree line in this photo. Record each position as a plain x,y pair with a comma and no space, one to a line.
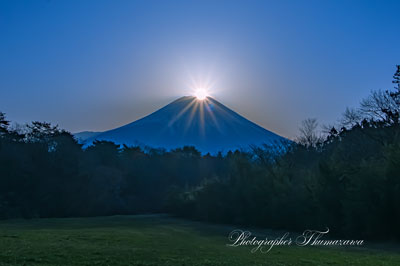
46,173
347,179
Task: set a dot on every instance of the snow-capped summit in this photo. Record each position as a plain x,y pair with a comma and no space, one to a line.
206,124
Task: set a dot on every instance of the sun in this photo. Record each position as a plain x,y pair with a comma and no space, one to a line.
201,94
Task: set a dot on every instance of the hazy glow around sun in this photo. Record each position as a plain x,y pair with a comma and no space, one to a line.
201,94
201,83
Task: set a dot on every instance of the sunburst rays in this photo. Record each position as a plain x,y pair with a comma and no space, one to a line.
203,110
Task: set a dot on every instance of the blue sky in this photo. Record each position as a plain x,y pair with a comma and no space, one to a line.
96,65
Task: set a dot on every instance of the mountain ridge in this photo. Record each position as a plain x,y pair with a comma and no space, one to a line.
206,124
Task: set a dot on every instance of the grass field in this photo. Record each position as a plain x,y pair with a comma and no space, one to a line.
155,240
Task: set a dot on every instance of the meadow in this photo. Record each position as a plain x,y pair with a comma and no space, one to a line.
158,240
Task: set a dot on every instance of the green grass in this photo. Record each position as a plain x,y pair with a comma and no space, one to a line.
155,240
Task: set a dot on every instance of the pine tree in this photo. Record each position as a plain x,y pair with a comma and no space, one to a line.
4,123
396,80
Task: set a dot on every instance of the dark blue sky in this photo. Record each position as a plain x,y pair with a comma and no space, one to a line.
95,65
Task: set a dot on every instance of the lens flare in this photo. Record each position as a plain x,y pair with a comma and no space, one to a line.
201,94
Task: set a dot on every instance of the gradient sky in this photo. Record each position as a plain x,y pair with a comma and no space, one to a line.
96,65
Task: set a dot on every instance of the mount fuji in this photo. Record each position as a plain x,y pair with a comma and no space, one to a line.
206,124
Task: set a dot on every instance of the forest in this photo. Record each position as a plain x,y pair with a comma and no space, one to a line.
345,177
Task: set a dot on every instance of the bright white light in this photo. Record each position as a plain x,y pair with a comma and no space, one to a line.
201,94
